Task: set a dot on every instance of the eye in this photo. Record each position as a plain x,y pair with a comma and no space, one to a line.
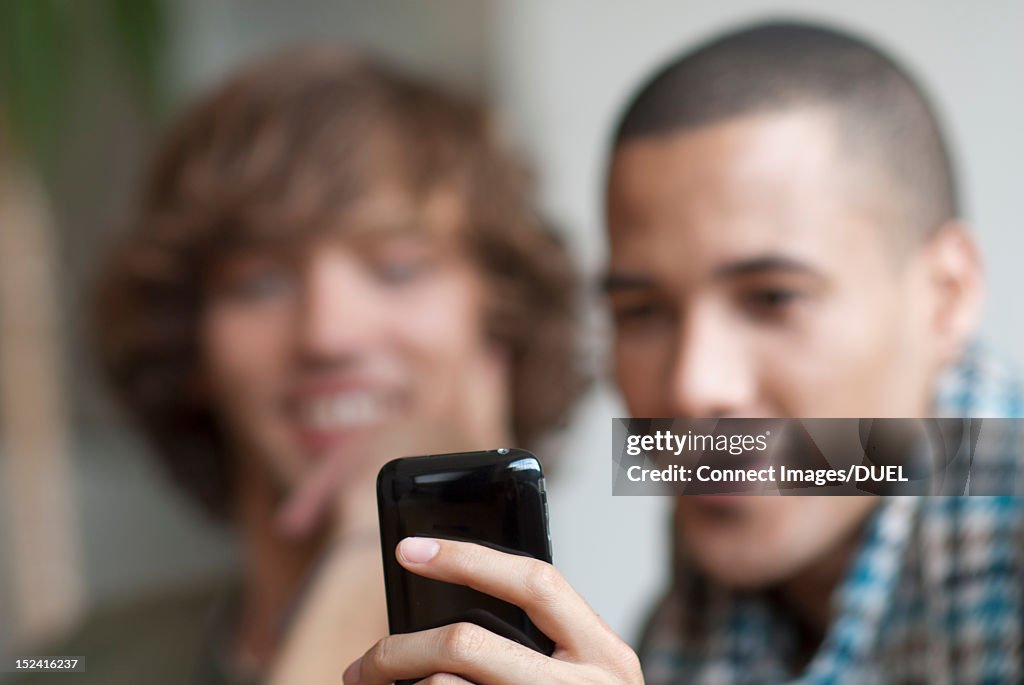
399,271
642,314
775,297
253,280
262,286
769,303
403,261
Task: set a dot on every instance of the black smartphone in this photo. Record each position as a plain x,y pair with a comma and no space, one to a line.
495,498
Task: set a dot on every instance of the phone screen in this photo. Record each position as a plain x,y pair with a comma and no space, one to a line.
495,498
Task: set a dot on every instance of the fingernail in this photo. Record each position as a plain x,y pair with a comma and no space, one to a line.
418,550
351,675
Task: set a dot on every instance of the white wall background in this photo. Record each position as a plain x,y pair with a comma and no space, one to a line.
559,70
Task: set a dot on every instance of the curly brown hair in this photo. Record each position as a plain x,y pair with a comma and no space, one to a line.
274,153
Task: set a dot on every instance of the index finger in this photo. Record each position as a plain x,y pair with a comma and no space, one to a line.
533,585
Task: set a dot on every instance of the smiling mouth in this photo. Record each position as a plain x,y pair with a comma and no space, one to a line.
341,410
327,418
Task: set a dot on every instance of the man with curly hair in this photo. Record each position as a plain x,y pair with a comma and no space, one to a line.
333,264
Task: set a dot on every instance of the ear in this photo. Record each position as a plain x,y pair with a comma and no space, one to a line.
957,282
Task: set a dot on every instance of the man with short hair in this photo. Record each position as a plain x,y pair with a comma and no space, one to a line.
785,242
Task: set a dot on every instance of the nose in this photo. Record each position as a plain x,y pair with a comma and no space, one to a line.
339,315
712,374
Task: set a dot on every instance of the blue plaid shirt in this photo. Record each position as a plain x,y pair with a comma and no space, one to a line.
934,595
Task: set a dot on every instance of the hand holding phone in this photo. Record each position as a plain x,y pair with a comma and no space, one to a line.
435,579
587,652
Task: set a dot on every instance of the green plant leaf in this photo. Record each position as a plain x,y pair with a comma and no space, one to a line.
34,78
138,33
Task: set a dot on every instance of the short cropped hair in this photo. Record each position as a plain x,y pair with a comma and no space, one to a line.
883,112
275,153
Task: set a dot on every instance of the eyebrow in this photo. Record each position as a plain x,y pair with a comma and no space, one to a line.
765,264
614,282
